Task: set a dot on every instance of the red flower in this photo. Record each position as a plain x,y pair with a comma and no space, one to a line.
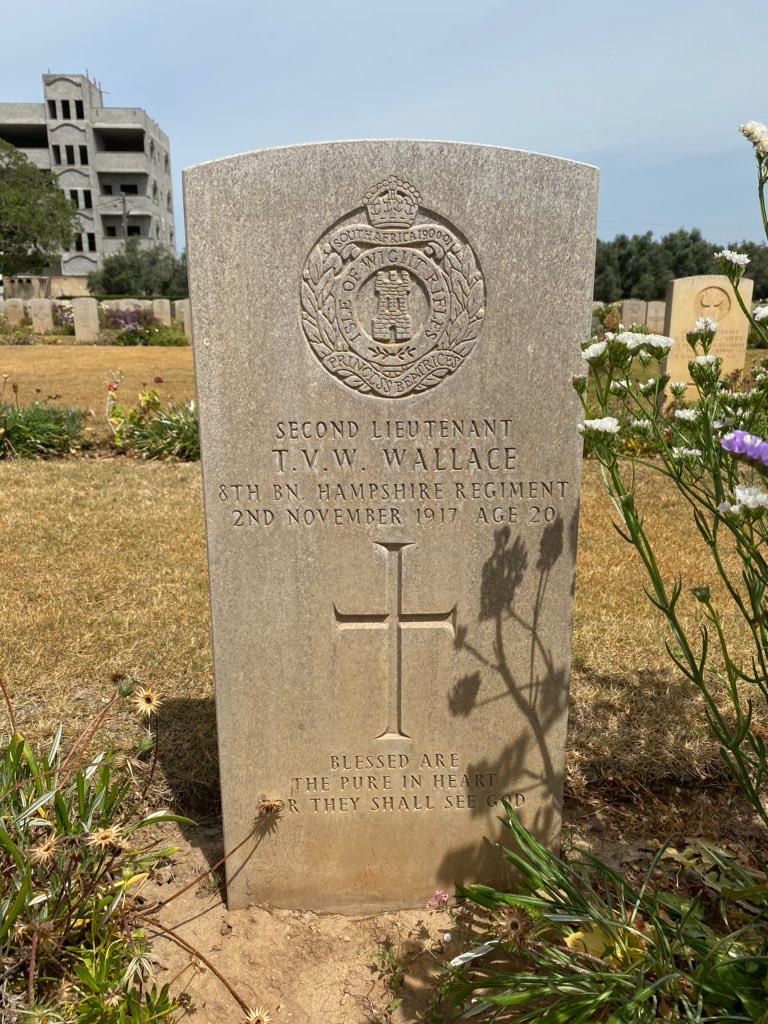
158,380
111,387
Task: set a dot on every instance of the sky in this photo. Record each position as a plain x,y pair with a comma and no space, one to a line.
652,92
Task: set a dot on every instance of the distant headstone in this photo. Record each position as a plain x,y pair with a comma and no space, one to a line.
654,319
182,315
42,315
161,310
712,295
633,311
391,505
14,311
85,313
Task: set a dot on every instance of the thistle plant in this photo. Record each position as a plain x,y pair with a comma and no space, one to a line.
599,948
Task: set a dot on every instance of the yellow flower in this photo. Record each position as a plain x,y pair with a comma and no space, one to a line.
147,701
257,1016
591,940
598,943
106,839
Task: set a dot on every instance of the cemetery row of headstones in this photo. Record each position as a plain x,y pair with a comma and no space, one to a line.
85,311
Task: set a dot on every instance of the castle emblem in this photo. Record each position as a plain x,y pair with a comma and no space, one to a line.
392,297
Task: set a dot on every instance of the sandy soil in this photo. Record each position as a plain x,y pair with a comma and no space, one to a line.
301,967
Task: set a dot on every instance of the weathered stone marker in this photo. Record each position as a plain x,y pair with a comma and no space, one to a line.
385,336
14,311
710,295
42,316
634,311
85,314
161,310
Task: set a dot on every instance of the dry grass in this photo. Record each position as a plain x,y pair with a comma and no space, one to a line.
103,572
77,375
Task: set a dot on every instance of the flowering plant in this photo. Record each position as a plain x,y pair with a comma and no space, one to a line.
599,948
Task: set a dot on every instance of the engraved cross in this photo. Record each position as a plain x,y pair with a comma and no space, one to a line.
394,622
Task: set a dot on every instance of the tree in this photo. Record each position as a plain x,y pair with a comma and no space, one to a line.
37,221
139,271
639,267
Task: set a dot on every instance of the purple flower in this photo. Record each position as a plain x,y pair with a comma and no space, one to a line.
739,442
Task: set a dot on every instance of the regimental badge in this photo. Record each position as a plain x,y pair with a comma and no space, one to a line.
393,306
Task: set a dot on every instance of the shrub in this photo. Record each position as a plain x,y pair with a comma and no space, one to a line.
153,432
141,271
154,335
39,430
18,335
63,318
576,941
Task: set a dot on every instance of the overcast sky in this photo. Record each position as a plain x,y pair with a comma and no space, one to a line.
651,92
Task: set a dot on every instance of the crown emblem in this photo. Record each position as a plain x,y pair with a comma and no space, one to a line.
393,203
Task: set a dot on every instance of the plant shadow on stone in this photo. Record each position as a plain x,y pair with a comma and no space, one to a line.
536,688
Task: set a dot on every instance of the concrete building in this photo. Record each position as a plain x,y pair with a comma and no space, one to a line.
113,162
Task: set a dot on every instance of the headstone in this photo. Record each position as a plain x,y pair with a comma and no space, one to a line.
181,313
391,467
712,295
161,310
654,320
2,309
633,311
14,311
86,316
42,316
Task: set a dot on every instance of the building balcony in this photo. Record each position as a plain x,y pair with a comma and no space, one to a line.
119,163
112,206
119,117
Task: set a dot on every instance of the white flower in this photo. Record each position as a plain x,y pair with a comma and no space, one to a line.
649,387
736,259
709,360
757,133
657,342
760,313
750,497
686,453
630,340
725,506
606,425
594,351
640,424
689,415
678,388
619,386
706,323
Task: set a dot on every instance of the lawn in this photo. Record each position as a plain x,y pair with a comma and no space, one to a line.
103,573
77,375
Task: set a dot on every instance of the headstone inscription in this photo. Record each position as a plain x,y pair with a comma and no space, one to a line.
391,474
707,295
